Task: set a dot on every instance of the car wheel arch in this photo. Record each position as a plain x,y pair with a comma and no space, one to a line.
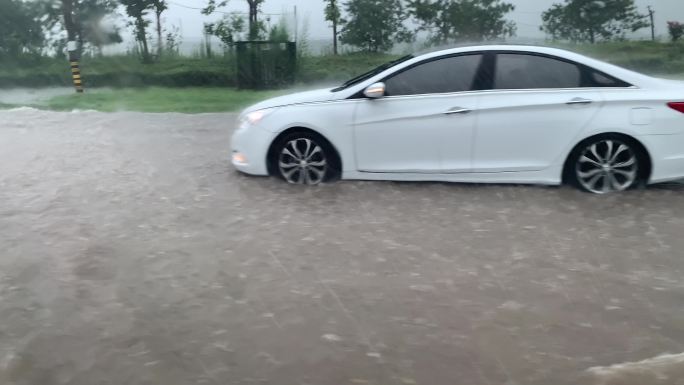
272,155
646,173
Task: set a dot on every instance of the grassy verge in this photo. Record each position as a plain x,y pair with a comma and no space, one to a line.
158,99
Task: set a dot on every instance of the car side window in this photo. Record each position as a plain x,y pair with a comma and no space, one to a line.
599,79
523,71
451,74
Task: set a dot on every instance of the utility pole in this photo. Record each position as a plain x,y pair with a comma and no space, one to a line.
651,13
72,45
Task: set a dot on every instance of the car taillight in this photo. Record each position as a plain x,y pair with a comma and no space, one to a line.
677,106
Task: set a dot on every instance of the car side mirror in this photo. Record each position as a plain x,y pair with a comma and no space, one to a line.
375,91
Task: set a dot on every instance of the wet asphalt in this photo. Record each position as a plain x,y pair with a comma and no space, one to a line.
132,253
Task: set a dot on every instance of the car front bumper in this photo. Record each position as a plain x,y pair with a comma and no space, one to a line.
249,149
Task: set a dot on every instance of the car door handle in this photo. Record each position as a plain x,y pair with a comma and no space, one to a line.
457,110
579,101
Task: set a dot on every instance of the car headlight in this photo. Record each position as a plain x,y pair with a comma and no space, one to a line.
254,117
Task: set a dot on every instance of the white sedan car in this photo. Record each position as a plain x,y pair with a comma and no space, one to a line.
488,114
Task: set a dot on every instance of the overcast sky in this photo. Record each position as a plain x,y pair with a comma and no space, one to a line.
527,15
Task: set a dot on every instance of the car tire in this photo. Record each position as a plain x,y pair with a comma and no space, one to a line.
305,158
607,164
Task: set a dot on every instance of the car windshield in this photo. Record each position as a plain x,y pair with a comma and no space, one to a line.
371,73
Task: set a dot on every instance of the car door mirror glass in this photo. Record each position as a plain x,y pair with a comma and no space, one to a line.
375,91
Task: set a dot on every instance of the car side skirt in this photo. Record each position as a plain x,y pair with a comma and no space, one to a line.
551,176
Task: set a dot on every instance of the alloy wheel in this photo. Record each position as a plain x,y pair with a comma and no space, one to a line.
303,161
607,166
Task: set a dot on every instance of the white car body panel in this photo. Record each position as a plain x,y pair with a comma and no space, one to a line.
511,136
508,120
314,96
415,134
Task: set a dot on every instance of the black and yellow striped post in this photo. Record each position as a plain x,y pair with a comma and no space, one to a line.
76,76
72,47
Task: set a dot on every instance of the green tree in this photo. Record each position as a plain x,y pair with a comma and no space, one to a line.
280,32
228,29
159,7
592,20
89,23
173,41
83,20
375,25
333,14
137,10
256,27
21,30
676,30
462,20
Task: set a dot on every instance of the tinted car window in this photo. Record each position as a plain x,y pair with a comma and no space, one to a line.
599,79
452,74
520,71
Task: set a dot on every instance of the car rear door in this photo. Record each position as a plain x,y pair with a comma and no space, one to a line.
425,123
536,108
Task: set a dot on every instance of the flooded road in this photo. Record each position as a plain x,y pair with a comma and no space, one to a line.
132,253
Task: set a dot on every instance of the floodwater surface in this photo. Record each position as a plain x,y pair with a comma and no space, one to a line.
132,253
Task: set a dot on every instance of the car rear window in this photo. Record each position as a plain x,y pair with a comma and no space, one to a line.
523,71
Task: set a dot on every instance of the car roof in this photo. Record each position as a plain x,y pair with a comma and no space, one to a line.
494,47
635,78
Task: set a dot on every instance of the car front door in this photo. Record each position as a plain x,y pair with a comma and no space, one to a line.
537,107
425,123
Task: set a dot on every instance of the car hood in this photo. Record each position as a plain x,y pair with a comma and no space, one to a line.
321,95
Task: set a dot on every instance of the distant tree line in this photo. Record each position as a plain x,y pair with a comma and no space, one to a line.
375,25
39,26
592,20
